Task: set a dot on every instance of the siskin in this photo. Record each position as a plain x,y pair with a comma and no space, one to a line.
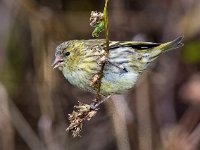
79,62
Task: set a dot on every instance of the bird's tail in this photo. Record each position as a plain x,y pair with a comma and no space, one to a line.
156,51
177,43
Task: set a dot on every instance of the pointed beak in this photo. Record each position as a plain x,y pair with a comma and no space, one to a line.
57,62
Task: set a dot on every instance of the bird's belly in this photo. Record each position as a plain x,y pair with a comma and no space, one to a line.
116,83
113,82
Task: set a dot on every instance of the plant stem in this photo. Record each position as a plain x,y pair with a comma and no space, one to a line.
106,26
98,96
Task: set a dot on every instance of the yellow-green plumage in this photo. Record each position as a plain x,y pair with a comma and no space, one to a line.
79,62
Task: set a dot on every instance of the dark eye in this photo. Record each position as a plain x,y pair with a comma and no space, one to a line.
67,53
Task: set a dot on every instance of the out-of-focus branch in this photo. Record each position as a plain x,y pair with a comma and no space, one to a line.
143,113
28,6
24,129
190,119
6,129
42,61
195,135
118,108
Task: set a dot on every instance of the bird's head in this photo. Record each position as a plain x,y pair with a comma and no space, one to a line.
61,55
67,54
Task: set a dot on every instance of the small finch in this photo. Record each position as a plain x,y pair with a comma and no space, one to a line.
79,61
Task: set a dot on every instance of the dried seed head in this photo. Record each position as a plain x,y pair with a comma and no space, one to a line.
82,112
95,18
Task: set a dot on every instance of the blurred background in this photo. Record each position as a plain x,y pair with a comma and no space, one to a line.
161,113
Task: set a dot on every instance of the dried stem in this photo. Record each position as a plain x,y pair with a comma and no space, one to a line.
84,112
98,97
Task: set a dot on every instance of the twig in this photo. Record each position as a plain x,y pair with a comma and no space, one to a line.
84,112
98,96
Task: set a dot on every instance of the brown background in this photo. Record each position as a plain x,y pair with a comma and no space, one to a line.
160,113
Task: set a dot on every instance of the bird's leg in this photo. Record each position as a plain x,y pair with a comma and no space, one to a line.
95,104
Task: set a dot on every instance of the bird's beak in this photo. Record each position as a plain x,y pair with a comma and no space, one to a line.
57,62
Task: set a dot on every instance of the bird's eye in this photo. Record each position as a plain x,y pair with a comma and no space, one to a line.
67,53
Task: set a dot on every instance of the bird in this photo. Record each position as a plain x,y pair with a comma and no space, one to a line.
78,60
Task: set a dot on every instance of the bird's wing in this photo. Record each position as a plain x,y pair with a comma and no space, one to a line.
117,44
134,54
134,45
